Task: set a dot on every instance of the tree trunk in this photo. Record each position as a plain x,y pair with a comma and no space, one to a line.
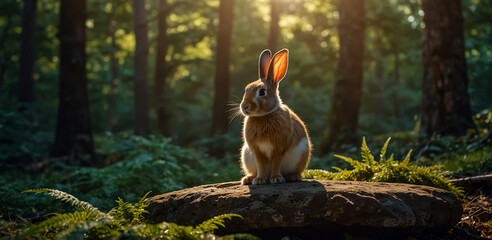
161,69
344,113
274,28
141,102
379,72
73,128
27,55
445,102
4,55
396,82
222,75
113,91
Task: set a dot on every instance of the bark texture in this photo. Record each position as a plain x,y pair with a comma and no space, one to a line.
113,91
141,103
27,56
222,73
445,101
274,27
344,113
396,82
73,128
161,69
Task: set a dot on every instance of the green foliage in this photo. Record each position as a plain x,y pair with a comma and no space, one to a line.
153,162
23,138
124,221
134,166
387,170
464,155
65,197
478,161
483,121
216,222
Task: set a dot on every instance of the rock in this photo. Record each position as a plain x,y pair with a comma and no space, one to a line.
312,205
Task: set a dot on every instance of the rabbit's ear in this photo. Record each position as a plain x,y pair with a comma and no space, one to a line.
278,66
264,63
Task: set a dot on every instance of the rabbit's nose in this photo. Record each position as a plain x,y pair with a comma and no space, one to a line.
246,107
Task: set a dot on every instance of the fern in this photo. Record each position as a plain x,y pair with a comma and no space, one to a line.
130,213
125,221
387,170
382,157
214,223
60,221
65,197
366,153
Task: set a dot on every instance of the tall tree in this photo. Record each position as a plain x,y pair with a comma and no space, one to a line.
161,70
141,102
396,80
27,56
344,113
274,28
5,35
222,74
113,25
445,101
73,128
379,68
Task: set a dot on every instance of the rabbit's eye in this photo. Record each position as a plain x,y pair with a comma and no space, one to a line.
262,92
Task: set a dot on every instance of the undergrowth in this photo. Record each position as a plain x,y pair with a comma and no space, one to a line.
387,170
125,221
135,165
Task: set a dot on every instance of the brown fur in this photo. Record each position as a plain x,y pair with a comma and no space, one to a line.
271,124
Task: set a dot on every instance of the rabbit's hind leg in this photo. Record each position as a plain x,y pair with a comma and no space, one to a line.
248,164
295,161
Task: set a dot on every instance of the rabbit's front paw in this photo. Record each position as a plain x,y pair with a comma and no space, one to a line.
247,180
260,180
277,179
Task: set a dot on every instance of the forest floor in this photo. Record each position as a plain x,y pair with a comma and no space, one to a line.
168,167
476,220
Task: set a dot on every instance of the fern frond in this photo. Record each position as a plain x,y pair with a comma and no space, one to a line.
407,158
148,231
337,168
127,213
391,159
214,223
68,198
142,204
175,231
367,157
383,150
317,174
60,221
79,230
355,164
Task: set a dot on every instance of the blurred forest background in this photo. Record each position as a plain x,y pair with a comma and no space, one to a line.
115,98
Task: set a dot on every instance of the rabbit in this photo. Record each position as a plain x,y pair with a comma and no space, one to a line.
277,147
